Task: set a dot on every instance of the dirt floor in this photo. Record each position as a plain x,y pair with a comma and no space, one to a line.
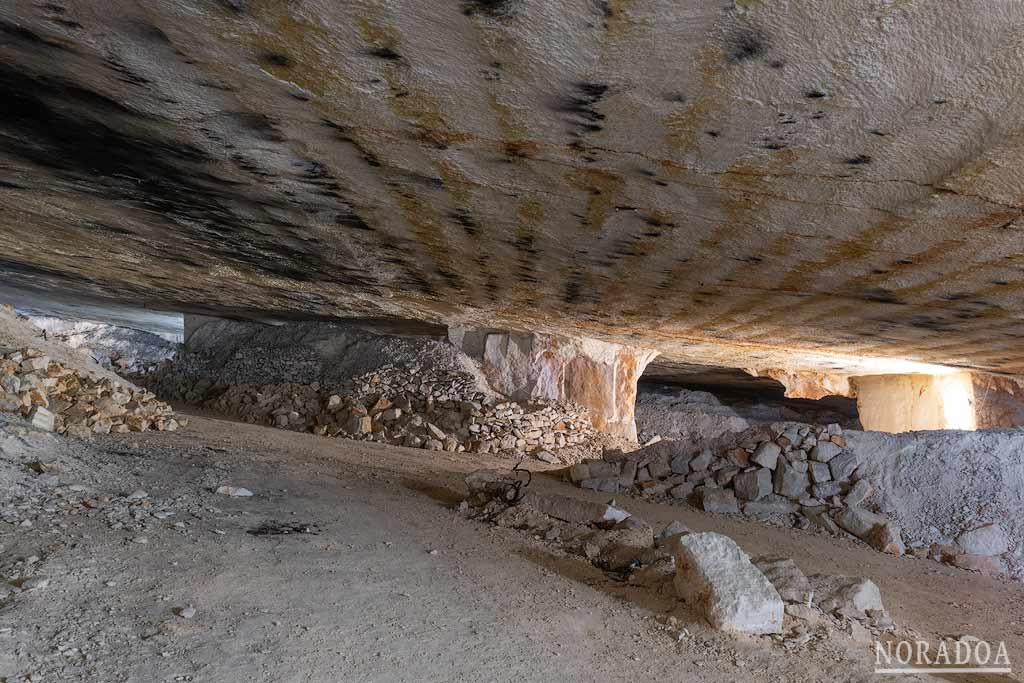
396,586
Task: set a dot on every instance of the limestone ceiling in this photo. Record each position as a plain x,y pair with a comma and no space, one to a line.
785,180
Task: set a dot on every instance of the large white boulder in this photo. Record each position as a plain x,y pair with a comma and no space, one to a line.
716,577
989,539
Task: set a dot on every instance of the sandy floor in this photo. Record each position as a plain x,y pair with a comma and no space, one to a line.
368,600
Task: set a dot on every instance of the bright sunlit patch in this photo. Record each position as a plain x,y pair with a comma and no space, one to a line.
958,401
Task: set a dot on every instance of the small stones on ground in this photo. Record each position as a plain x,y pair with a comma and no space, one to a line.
186,612
35,583
234,491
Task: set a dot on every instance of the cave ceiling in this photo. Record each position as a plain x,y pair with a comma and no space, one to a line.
799,183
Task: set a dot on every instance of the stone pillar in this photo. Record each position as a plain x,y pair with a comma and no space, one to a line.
600,376
907,403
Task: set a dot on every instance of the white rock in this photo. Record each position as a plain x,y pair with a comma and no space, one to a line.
187,612
715,576
548,457
43,419
234,491
989,539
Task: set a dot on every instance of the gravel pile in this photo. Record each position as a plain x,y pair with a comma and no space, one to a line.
68,401
406,405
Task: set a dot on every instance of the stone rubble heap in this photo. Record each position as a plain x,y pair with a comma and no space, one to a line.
763,596
784,469
402,405
65,400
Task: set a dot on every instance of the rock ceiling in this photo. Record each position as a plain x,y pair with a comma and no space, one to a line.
781,180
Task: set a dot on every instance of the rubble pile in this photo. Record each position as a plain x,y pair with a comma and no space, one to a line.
404,405
795,473
784,469
57,398
760,596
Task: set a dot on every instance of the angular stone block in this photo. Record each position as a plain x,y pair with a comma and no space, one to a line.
716,577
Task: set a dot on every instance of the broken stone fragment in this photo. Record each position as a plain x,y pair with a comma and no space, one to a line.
767,455
875,530
787,578
41,418
820,472
824,451
669,533
827,489
842,466
680,464
682,491
753,485
574,510
845,595
234,491
860,492
719,500
989,539
770,505
608,485
714,576
702,461
790,481
548,457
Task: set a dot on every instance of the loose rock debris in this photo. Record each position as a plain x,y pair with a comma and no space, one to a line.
55,398
400,405
708,571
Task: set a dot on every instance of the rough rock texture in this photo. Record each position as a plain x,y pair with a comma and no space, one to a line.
551,166
122,349
714,575
938,485
600,376
73,395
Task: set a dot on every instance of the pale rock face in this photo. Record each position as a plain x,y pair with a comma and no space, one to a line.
597,375
989,539
716,577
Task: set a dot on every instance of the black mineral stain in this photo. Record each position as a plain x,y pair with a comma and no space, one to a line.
880,296
930,323
580,106
236,6
109,152
262,126
744,44
385,53
125,74
814,94
573,289
468,223
495,9
275,59
858,160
